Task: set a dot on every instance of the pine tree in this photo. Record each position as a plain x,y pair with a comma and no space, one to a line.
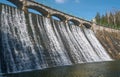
97,18
111,19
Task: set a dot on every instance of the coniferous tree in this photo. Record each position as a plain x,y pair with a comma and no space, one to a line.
111,19
97,17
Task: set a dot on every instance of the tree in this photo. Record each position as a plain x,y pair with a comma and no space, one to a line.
110,19
97,18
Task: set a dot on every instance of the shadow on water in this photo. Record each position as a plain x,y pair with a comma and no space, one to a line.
100,69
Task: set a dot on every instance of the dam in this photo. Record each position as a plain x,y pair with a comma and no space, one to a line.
32,42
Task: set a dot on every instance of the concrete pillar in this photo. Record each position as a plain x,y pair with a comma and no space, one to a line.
80,25
66,21
93,27
48,15
24,6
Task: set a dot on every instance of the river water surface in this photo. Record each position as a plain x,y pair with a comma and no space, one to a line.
100,69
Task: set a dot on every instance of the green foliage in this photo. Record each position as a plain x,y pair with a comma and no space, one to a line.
111,19
97,17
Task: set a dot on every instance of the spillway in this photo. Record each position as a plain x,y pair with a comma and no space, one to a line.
30,42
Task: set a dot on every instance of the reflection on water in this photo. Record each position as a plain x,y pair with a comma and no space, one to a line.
103,69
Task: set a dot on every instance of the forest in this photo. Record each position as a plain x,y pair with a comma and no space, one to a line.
110,19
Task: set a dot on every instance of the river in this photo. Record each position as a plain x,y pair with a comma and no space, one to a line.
98,69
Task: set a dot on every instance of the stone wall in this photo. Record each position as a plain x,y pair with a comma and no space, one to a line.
110,39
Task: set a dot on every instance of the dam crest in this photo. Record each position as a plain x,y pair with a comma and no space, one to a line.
49,12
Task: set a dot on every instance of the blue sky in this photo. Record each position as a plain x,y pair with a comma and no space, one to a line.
86,9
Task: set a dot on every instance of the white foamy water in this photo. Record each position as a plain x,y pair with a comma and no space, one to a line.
37,42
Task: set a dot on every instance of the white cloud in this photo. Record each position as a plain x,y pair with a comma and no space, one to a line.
77,1
60,1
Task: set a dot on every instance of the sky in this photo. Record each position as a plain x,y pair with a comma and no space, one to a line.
85,9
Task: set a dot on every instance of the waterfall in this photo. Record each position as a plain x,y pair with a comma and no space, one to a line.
31,42
96,44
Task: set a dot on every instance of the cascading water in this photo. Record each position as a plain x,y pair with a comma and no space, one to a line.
96,44
35,42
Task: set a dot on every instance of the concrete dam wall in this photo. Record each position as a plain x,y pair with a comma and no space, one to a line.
31,42
110,39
